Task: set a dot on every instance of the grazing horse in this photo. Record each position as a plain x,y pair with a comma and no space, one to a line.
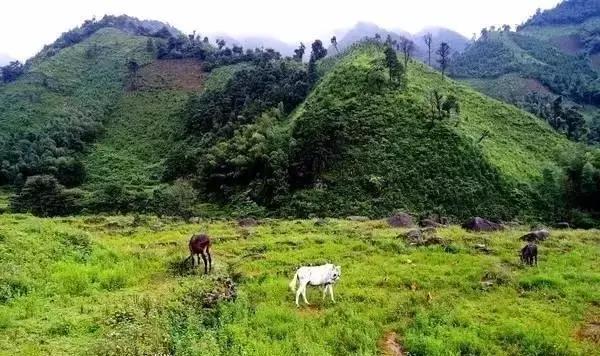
200,246
529,254
325,275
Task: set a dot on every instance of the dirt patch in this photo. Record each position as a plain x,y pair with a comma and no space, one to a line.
590,331
390,346
570,44
181,74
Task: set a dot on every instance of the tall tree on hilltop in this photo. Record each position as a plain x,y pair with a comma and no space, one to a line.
407,47
395,68
444,53
335,44
428,39
299,52
220,43
318,51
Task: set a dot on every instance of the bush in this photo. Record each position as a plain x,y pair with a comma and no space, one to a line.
44,196
174,200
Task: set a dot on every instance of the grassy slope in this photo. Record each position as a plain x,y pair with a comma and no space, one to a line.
520,145
138,136
418,167
104,286
71,83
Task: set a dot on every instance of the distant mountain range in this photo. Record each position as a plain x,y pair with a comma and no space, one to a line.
347,37
362,30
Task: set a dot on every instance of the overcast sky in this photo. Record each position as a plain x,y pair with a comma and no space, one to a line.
25,26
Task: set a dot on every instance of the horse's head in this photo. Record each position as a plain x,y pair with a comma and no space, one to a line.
337,273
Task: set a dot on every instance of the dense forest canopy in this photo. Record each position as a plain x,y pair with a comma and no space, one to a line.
566,12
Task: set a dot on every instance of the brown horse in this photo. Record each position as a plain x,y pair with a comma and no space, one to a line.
200,246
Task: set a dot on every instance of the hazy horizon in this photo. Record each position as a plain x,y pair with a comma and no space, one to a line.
29,31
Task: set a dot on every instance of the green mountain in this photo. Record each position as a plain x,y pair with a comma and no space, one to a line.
555,53
135,118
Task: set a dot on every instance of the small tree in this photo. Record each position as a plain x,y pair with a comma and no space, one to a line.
395,68
428,39
150,46
443,107
43,196
220,43
299,52
318,51
407,47
335,44
444,57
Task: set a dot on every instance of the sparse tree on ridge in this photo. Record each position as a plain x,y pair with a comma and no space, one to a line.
395,68
299,52
443,60
318,50
221,43
407,47
428,39
334,43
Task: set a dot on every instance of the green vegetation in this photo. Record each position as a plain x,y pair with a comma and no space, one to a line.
116,286
56,109
138,135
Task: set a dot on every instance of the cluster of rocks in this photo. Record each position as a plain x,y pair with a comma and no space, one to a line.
224,290
422,237
406,220
479,224
536,236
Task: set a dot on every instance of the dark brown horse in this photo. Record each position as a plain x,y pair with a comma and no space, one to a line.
200,246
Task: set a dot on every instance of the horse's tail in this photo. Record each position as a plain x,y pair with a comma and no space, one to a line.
293,282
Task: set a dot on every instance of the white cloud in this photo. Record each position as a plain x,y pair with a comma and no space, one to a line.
26,26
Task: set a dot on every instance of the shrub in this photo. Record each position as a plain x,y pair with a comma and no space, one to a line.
44,196
174,200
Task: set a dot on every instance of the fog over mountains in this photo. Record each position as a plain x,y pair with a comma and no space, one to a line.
5,59
346,37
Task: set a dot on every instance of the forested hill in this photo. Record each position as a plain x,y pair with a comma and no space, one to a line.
568,12
122,115
550,67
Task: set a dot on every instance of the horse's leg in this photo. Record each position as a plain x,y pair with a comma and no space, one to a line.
304,293
209,259
331,292
325,291
205,262
298,292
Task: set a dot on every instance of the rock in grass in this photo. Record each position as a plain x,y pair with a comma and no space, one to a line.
430,223
480,224
320,222
483,248
247,222
535,236
401,220
357,218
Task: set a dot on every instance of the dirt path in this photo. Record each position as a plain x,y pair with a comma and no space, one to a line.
390,346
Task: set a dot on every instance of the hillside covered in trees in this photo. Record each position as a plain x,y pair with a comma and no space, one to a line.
549,66
122,115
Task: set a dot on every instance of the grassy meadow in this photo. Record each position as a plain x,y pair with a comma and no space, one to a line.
116,286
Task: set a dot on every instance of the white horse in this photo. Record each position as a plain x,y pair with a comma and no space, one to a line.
326,275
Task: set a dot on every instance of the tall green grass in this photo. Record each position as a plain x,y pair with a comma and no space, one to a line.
115,286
